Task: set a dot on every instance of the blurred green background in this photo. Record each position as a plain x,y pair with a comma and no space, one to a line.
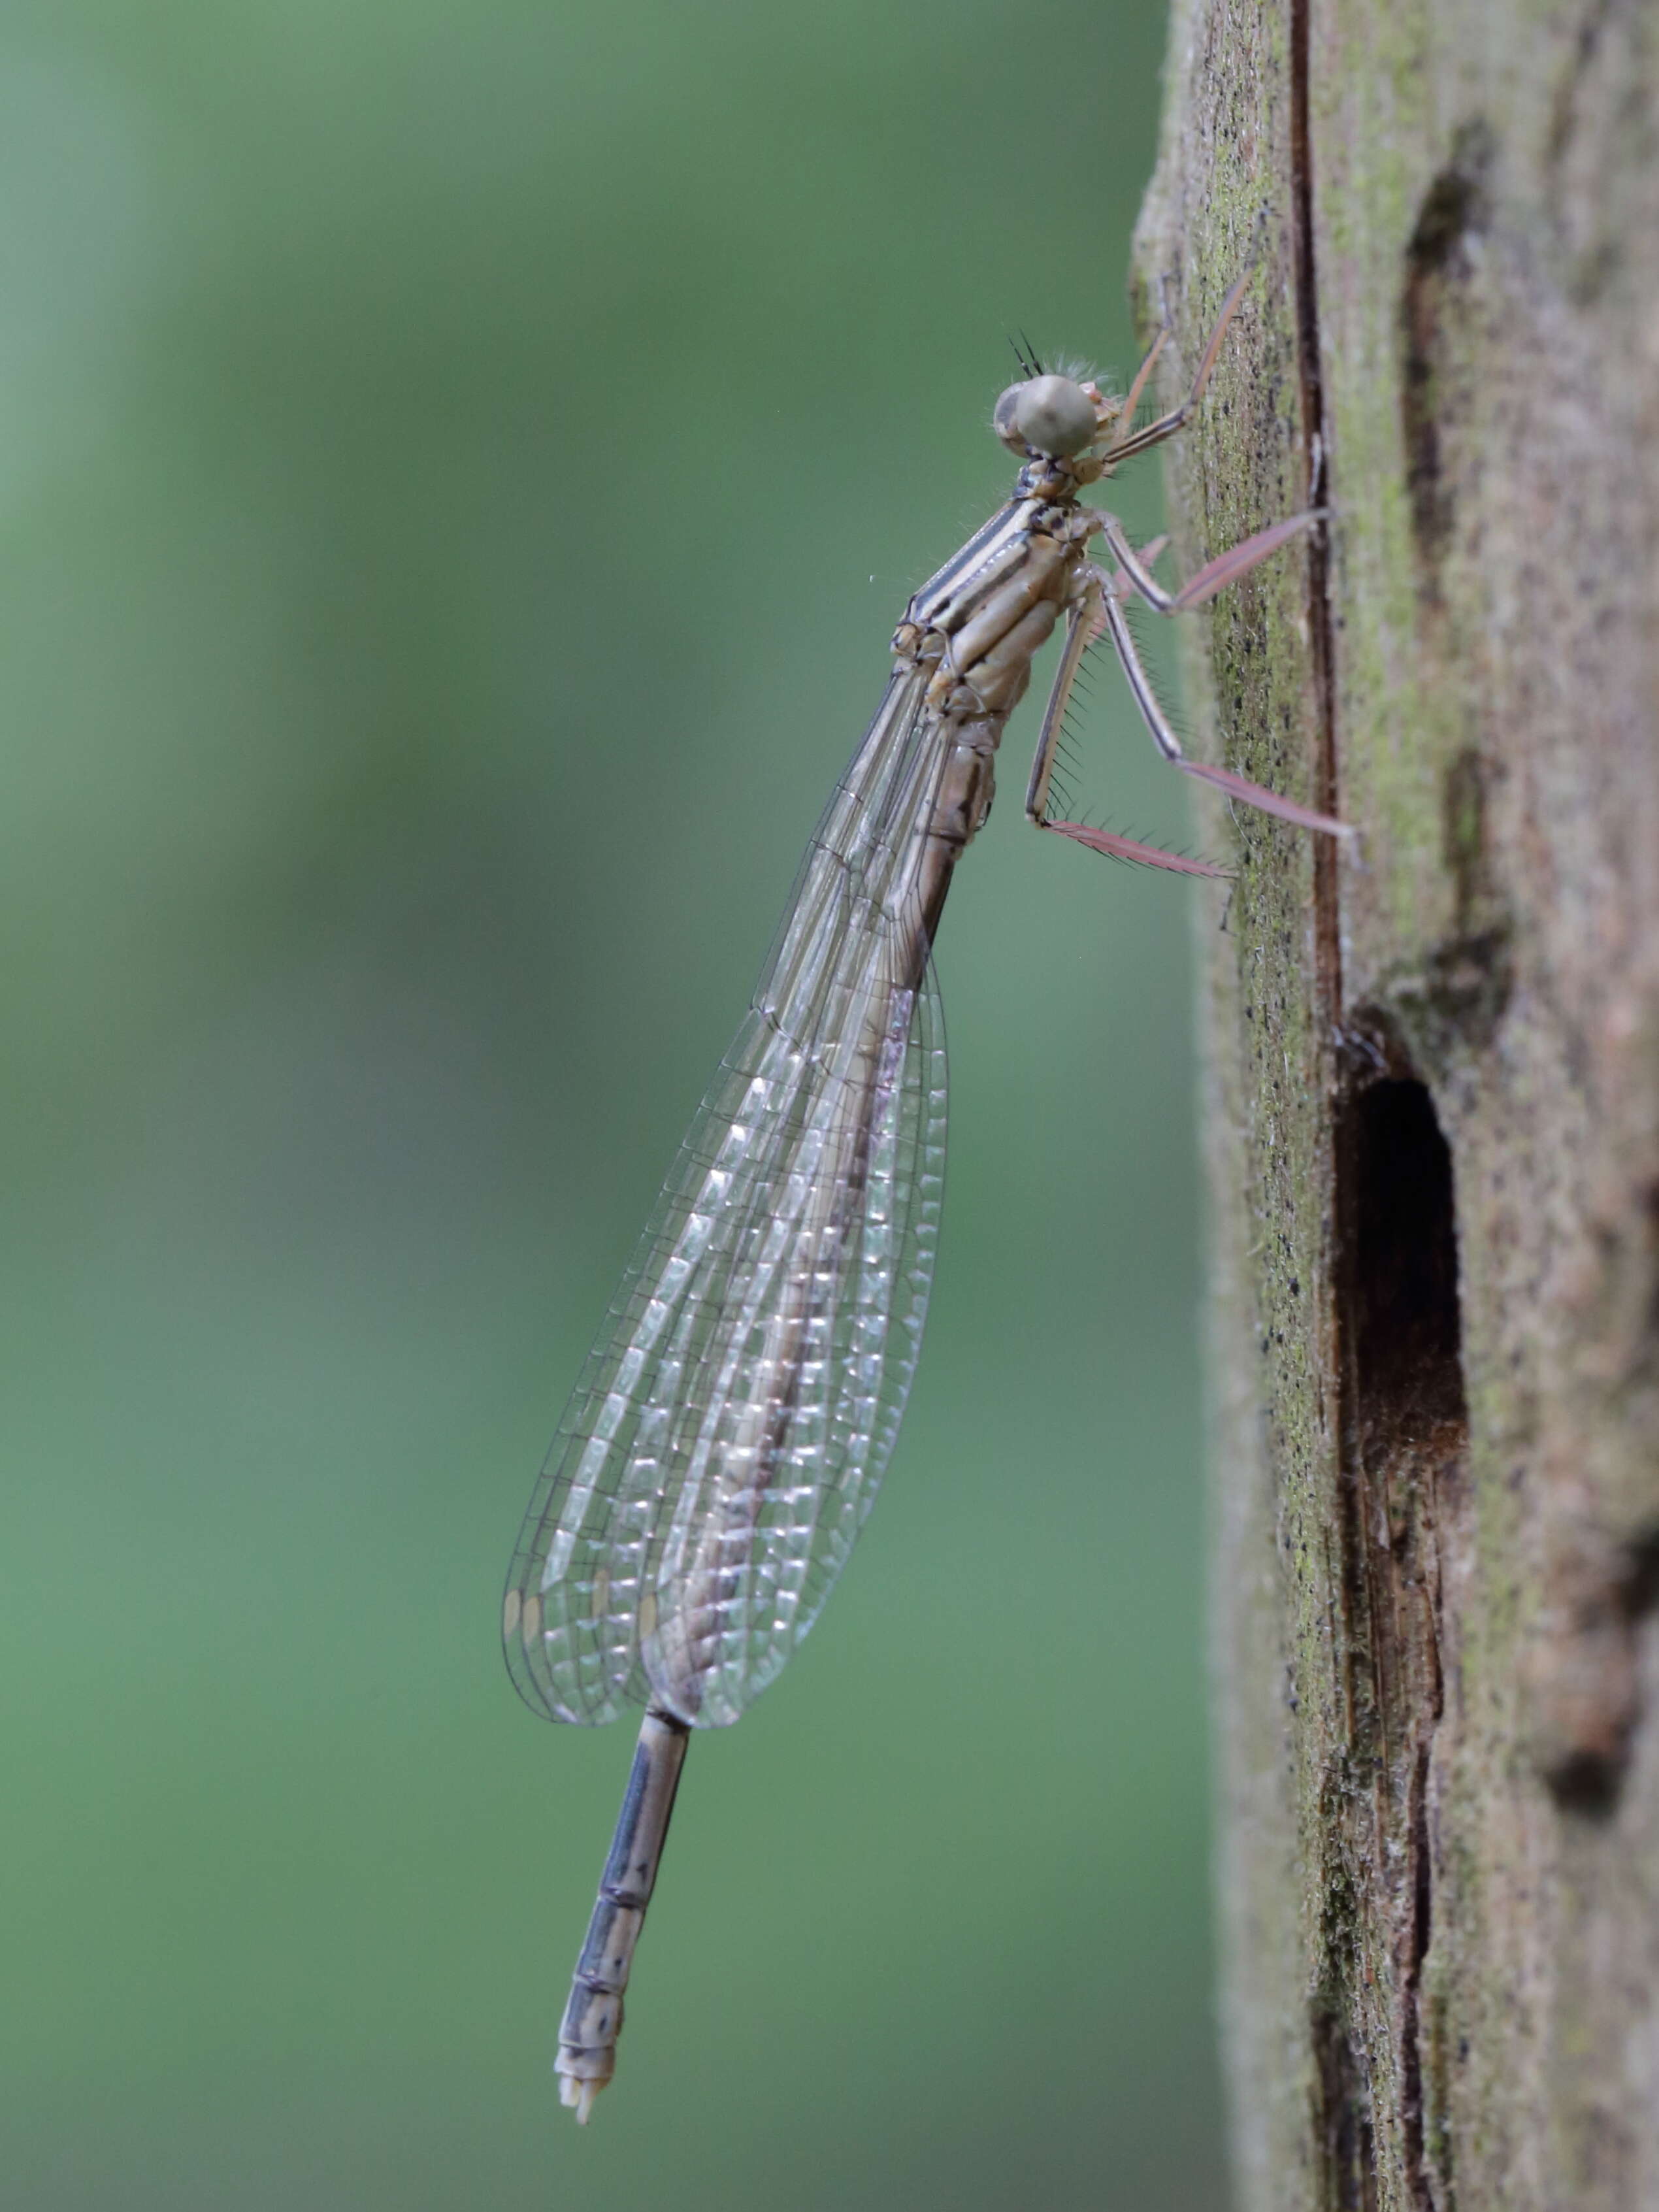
459,469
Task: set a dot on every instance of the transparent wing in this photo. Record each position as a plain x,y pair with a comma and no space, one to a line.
737,1413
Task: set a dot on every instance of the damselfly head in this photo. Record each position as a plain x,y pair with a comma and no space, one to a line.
1046,415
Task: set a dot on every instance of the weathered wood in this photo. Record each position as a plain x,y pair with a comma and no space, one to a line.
1433,1107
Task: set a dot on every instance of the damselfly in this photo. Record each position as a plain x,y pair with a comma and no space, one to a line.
727,1437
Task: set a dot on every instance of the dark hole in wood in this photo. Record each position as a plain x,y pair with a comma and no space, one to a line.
1400,1254
1406,1439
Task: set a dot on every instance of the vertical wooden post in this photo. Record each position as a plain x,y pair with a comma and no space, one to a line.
1433,1087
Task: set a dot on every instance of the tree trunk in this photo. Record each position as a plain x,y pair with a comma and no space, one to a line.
1433,1086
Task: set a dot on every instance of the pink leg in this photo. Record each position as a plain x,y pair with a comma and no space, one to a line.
1084,622
1215,576
1166,425
1131,849
1235,786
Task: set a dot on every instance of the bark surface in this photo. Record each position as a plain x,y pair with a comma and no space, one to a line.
1433,1083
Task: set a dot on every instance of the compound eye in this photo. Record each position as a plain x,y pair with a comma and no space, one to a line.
1002,420
1049,414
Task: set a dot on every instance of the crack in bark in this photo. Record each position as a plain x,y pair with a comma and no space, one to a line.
1400,1421
1317,431
1350,2152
